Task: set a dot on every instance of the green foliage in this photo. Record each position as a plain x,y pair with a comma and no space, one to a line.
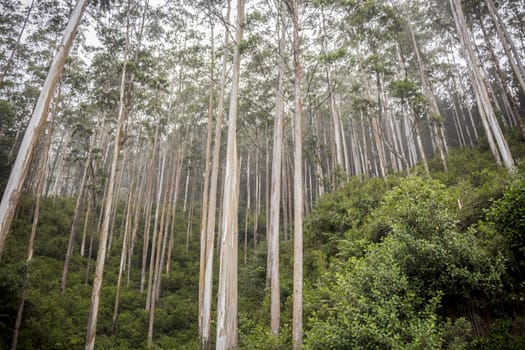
500,337
369,304
418,207
405,270
508,216
7,119
332,56
256,336
339,211
408,91
397,263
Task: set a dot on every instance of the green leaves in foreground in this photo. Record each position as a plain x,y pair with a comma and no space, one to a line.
368,303
416,268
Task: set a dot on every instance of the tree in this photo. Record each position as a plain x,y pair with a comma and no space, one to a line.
297,327
108,201
34,129
228,289
205,322
275,196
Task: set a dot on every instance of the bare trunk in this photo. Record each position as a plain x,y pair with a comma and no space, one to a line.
429,94
275,199
212,202
30,249
74,224
514,110
157,270
297,326
147,216
86,221
206,179
154,237
247,210
508,46
125,243
228,288
174,207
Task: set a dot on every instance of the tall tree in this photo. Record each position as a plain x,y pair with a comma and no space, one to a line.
108,201
34,129
297,326
205,333
275,196
228,289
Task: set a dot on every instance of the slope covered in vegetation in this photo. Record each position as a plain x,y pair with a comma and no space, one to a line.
404,262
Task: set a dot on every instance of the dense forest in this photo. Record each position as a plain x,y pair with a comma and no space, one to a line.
323,174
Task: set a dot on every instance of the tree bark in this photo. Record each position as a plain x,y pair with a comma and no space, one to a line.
228,289
205,333
297,322
206,176
275,196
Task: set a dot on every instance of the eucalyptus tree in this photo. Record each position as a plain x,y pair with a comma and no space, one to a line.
206,275
297,323
227,332
34,129
275,197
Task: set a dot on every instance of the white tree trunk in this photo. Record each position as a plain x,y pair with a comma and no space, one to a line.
297,323
275,194
212,202
34,129
228,288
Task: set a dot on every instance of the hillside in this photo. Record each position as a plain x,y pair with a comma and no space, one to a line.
397,263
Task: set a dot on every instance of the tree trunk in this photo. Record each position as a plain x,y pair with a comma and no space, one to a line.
297,322
30,249
175,198
228,288
147,216
154,236
275,199
74,224
205,334
429,94
514,110
206,177
125,243
155,261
